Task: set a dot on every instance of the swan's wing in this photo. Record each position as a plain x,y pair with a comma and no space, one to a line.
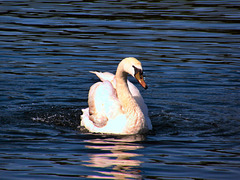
104,76
103,103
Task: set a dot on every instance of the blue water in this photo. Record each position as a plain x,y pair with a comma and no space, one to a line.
190,53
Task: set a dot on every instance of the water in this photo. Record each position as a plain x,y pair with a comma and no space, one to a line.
190,52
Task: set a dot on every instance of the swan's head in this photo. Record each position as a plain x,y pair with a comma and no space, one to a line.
133,66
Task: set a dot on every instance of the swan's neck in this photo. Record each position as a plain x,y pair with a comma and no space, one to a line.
130,107
124,94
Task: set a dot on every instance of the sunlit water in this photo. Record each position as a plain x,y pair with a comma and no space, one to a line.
190,51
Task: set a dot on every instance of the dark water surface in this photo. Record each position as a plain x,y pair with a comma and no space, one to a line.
190,51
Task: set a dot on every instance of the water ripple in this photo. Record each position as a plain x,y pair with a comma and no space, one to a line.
190,54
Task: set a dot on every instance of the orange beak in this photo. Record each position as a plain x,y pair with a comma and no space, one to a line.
140,79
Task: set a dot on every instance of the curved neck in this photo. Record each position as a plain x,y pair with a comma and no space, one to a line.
134,114
129,104
123,92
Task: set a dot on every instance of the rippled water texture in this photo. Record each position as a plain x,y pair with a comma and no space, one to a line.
190,51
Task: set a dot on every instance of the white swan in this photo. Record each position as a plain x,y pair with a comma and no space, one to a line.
115,104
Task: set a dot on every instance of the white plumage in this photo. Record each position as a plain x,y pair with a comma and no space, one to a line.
115,104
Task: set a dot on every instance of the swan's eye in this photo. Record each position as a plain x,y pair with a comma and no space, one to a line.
137,70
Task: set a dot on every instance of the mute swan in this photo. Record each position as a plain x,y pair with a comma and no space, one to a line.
115,104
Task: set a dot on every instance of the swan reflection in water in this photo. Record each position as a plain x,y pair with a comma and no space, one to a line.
116,157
